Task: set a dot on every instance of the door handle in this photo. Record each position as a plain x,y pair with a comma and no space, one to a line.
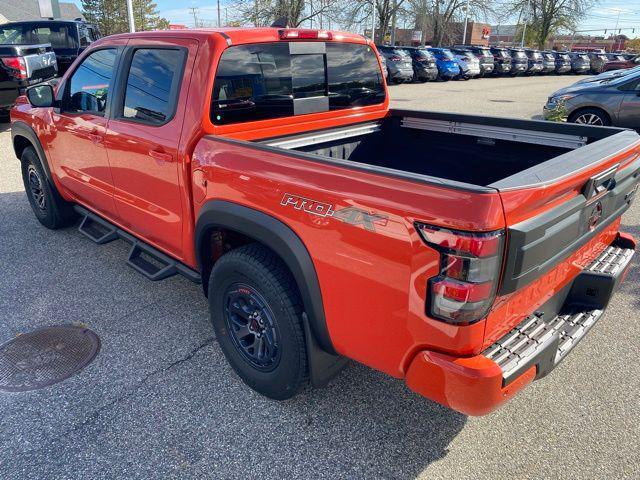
160,156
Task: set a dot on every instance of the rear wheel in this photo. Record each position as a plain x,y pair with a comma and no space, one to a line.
256,312
49,207
590,116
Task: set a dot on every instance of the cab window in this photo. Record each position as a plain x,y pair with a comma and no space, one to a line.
262,81
90,84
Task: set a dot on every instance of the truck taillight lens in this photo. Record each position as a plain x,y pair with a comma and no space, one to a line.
470,263
18,65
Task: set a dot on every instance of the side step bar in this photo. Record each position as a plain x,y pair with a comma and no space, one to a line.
143,258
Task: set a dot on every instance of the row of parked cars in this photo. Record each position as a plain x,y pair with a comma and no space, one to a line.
421,64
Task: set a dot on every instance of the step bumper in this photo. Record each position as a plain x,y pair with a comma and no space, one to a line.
480,384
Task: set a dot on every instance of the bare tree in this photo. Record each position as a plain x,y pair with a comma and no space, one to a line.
546,17
436,16
294,12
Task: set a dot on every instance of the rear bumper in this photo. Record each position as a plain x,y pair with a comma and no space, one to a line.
480,384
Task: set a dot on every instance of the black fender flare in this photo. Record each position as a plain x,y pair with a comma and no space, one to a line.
21,129
278,237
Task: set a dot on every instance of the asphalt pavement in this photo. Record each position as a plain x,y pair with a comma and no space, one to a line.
160,401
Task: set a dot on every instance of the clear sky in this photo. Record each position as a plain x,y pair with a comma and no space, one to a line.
604,15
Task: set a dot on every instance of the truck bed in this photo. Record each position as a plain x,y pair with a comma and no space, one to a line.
460,150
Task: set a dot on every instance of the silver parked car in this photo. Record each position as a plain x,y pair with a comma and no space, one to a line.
612,101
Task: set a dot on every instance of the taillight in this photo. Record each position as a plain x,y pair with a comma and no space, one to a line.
297,34
470,263
395,58
18,64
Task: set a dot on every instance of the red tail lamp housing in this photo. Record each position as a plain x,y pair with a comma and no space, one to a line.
470,266
18,65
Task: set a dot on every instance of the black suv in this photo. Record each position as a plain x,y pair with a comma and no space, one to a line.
519,61
68,38
501,60
424,64
484,54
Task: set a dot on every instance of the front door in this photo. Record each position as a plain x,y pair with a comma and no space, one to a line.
143,138
77,145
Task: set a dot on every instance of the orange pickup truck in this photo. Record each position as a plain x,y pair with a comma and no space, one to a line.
466,255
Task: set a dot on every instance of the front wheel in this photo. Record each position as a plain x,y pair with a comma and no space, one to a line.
256,312
590,116
49,207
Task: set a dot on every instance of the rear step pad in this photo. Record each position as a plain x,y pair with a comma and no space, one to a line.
143,258
545,342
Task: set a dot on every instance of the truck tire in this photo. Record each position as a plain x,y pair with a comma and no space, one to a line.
49,207
256,312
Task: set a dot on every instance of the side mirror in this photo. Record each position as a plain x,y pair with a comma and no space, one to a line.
41,96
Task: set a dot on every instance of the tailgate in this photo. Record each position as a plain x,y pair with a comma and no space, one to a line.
554,209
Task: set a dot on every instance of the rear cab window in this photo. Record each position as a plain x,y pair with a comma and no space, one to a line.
271,80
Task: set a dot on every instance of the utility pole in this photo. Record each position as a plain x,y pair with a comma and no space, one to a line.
524,28
393,23
373,21
132,24
219,22
194,11
466,22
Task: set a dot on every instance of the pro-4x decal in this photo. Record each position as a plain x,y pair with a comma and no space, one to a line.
351,215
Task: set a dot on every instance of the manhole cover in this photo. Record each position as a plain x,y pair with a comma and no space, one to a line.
502,101
46,356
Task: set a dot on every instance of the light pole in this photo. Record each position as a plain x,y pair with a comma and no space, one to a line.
219,24
466,21
524,28
132,25
373,21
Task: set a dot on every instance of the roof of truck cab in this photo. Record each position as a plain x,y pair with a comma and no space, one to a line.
240,35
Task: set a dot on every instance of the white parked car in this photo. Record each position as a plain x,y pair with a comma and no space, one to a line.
468,62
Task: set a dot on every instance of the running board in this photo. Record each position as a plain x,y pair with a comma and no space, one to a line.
97,229
143,258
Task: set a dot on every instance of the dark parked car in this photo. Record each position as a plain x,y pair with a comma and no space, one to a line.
621,64
424,64
580,62
22,66
613,101
563,62
598,61
519,61
67,37
484,55
548,62
501,60
536,63
399,63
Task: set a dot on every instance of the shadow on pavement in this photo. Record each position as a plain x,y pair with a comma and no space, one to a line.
160,400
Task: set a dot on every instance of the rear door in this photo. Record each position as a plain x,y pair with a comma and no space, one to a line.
143,137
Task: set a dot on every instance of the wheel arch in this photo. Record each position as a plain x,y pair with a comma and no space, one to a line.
274,234
24,136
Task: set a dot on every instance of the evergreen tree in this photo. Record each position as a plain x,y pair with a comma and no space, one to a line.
111,15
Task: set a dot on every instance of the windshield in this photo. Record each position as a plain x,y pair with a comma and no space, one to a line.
423,55
445,53
549,56
518,54
583,57
536,55
622,78
29,34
